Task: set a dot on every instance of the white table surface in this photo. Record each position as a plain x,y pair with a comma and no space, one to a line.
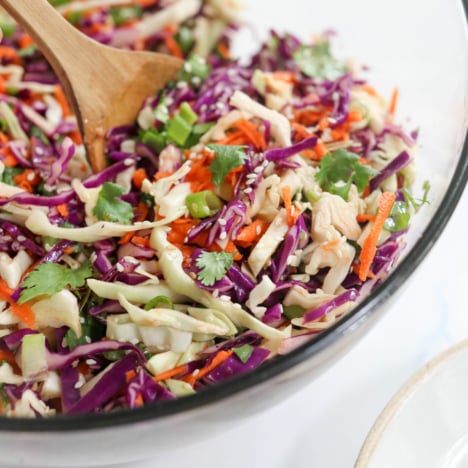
325,424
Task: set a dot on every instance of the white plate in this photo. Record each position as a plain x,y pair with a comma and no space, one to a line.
426,423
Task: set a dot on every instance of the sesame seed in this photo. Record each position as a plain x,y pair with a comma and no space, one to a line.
90,362
252,176
119,267
21,238
87,339
39,151
237,306
188,67
258,169
196,372
181,84
224,298
192,275
250,181
223,235
248,190
196,80
31,176
222,221
216,293
128,161
258,230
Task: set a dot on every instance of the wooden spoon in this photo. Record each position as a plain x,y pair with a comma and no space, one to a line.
104,86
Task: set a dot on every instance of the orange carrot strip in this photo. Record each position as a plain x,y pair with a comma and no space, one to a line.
61,99
63,210
22,311
218,359
364,218
223,51
329,245
393,102
284,75
183,369
291,215
27,179
141,241
25,41
162,174
369,247
320,149
138,177
8,357
369,90
173,47
127,237
250,234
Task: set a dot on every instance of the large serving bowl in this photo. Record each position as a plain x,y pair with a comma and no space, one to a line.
400,41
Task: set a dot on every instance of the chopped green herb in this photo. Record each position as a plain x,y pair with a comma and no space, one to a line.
339,169
110,208
122,15
194,67
213,266
317,61
227,158
243,352
9,173
49,278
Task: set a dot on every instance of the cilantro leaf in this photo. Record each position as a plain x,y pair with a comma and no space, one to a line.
243,352
339,169
317,61
110,208
227,158
213,266
49,278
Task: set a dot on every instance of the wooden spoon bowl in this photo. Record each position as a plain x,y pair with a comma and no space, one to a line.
105,87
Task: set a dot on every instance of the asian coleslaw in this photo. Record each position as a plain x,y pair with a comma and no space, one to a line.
247,209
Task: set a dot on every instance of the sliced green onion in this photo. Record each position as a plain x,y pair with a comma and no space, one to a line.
159,301
293,311
178,130
187,113
155,140
243,352
203,204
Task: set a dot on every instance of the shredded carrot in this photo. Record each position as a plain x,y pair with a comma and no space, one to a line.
61,99
284,75
139,400
370,90
68,250
250,234
25,41
369,247
141,212
339,134
320,150
354,116
141,241
162,175
252,133
218,359
129,375
27,179
364,218
139,176
331,244
393,102
324,123
8,357
199,176
10,54
291,214
63,210
171,43
223,51
22,311
127,237
179,370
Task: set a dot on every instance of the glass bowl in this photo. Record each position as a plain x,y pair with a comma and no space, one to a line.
401,43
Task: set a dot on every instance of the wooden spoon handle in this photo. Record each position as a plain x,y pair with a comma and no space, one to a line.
46,26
